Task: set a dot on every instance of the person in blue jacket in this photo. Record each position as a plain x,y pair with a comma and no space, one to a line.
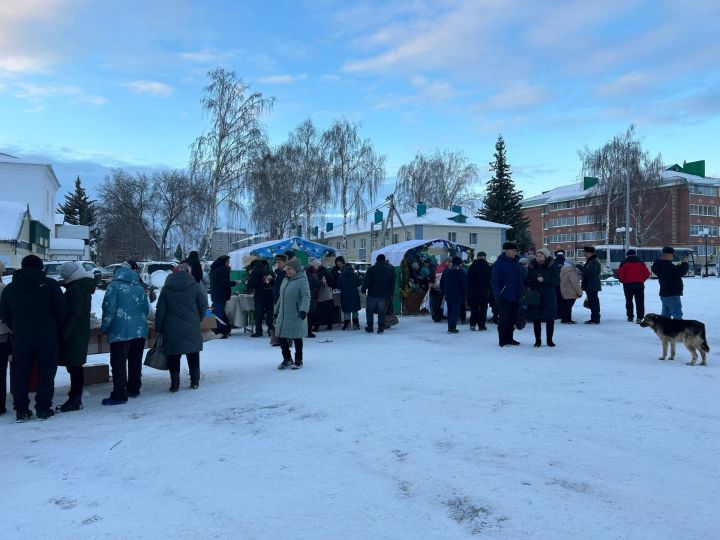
125,309
507,282
453,284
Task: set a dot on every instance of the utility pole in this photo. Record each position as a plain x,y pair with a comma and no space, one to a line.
627,210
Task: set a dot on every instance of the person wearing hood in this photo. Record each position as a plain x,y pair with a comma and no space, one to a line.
79,287
453,284
181,306
220,292
543,277
291,312
507,279
193,261
335,272
349,284
5,351
315,282
633,273
34,309
125,309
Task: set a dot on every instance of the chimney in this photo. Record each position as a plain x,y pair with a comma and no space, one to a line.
589,181
421,209
457,209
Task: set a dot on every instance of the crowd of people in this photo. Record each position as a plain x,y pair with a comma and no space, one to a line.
291,302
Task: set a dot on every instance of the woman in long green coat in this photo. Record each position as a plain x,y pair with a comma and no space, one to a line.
79,287
291,311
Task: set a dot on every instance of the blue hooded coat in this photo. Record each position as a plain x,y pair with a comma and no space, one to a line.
125,307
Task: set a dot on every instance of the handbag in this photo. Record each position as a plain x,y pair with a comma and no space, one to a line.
532,298
324,294
156,357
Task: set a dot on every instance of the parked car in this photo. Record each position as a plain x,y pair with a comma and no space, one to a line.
360,267
7,275
106,276
52,270
146,268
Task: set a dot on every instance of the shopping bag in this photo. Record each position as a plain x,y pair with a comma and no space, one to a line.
531,298
156,357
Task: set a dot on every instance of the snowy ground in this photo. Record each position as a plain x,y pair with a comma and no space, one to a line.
413,434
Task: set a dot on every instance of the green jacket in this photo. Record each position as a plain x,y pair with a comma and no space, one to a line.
75,333
180,308
294,298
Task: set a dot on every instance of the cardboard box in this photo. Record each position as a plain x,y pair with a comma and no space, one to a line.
208,335
208,323
96,373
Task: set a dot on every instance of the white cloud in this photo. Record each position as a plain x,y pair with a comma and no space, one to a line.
281,79
206,56
522,95
151,88
38,93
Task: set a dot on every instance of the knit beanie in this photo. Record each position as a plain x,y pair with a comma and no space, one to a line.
294,263
32,261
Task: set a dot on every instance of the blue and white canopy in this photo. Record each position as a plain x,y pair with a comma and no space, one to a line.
267,250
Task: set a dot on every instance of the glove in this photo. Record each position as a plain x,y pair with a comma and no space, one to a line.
303,314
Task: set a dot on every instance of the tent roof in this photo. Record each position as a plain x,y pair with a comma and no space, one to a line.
271,247
394,253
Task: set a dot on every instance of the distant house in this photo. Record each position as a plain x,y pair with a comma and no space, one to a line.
14,232
225,240
423,224
71,242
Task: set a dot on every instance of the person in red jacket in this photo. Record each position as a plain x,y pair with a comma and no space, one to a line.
633,273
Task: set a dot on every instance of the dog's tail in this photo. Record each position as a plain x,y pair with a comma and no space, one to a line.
704,346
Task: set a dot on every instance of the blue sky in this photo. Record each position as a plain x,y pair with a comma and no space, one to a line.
95,84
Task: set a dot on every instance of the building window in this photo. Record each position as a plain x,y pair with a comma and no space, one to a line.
712,191
559,238
703,210
562,222
353,243
579,254
452,236
362,243
473,238
562,206
698,230
589,219
700,250
589,201
395,238
590,236
337,245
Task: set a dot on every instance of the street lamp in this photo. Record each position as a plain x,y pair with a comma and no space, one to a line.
706,233
626,231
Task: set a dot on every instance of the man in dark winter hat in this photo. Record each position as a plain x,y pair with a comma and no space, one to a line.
478,276
671,285
591,283
453,284
633,273
34,308
507,280
379,283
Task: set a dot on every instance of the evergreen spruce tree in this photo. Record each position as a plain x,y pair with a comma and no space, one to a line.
502,201
178,253
78,208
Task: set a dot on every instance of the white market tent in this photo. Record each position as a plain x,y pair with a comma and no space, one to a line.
394,253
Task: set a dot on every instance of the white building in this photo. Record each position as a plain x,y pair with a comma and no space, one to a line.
424,223
14,233
71,242
31,183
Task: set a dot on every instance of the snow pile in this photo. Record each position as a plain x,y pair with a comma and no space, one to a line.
413,434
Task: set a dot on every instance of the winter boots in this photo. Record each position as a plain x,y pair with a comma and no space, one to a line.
298,361
174,381
44,414
356,324
195,378
287,360
74,403
346,324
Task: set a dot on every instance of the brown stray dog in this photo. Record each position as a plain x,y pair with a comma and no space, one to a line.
670,331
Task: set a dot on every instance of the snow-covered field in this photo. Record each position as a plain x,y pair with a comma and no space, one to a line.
413,434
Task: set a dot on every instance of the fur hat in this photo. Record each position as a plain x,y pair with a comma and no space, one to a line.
281,257
72,271
545,251
456,261
559,253
32,261
588,249
481,255
313,261
667,250
294,263
380,258
510,245
631,252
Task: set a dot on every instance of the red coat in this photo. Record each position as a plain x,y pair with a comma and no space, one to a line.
633,270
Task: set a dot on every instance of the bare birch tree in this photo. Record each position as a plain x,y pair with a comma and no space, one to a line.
220,157
442,179
354,169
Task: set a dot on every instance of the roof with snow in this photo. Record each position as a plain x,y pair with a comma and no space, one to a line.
433,216
572,192
12,215
7,158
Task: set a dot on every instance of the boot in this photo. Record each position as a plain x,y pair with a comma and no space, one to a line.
346,324
174,381
356,324
550,330
537,328
298,361
287,360
74,403
195,378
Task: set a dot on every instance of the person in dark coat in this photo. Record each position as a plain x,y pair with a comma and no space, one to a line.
379,284
314,282
478,277
349,284
261,283
193,260
335,271
633,273
180,308
5,351
671,285
453,284
507,281
591,283
79,287
34,309
543,277
279,275
220,292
